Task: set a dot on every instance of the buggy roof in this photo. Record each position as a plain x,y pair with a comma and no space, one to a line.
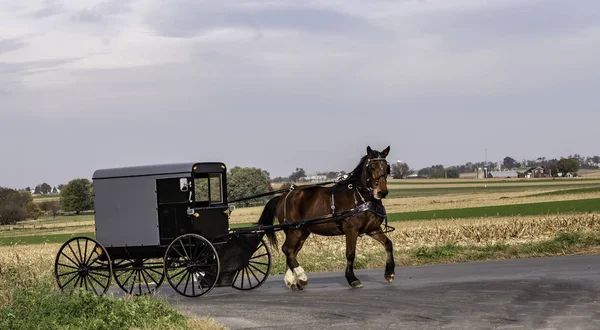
158,169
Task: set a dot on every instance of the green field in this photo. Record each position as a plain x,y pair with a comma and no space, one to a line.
437,191
575,206
41,239
488,181
568,192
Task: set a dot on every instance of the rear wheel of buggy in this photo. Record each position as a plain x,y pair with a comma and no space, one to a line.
139,276
191,265
83,262
256,272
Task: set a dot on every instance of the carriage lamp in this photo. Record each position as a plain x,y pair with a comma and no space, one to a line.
196,214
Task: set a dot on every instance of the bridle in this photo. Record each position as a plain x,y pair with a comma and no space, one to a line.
370,169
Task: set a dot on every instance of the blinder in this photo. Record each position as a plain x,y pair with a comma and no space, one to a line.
388,167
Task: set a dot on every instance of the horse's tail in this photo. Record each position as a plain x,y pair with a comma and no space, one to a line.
268,217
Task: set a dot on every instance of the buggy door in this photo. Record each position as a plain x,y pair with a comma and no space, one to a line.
211,217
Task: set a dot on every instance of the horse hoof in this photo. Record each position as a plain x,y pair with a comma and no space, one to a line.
302,284
294,287
389,277
356,284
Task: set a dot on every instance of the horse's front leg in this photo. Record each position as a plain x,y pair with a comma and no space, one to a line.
382,238
351,237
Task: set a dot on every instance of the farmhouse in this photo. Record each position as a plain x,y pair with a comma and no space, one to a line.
533,172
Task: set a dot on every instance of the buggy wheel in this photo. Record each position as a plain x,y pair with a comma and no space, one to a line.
82,262
256,271
139,276
192,265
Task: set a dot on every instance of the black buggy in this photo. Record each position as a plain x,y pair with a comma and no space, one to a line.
163,222
170,222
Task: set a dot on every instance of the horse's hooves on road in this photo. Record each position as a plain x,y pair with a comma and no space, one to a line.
302,284
389,278
356,284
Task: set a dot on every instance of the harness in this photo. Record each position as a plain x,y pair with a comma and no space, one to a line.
378,209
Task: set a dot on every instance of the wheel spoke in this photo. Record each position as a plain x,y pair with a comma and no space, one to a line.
71,260
258,269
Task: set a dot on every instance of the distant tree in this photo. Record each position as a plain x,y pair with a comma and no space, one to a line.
331,175
50,207
28,189
61,186
38,190
247,181
510,163
77,196
297,175
45,188
568,165
551,168
401,170
452,172
54,190
16,206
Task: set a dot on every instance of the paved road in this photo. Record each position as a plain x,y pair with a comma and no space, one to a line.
539,293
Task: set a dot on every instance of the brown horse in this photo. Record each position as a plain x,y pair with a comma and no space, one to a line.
367,183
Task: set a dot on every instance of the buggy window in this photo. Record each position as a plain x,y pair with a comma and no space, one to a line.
206,185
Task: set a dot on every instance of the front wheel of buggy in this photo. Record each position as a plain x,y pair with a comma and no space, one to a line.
83,262
256,271
191,265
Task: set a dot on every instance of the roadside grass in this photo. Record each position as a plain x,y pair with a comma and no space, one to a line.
29,300
562,244
567,192
570,206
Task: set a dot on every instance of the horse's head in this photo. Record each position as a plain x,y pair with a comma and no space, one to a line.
378,170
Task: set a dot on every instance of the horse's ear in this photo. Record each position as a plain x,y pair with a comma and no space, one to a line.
369,150
385,151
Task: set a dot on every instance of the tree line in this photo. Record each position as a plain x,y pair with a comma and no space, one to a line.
19,205
77,195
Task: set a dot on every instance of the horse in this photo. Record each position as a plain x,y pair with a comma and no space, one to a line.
366,183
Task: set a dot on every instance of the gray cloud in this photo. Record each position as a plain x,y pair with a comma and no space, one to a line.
489,25
50,8
190,18
8,45
26,67
102,11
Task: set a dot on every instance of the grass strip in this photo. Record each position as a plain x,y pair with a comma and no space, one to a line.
559,207
567,192
417,192
487,181
41,239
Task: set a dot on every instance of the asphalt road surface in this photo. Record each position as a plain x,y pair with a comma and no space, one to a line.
539,293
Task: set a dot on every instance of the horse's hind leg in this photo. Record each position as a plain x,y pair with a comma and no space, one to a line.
382,238
295,277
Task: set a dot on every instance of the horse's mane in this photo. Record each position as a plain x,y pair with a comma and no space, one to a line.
354,178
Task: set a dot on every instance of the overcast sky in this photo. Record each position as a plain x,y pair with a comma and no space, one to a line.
279,85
